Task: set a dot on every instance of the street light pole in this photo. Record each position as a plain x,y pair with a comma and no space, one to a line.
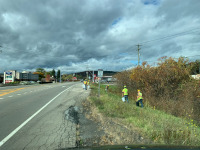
138,53
0,49
99,88
93,76
100,75
60,76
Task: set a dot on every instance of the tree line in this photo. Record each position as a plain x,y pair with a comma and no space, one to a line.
43,73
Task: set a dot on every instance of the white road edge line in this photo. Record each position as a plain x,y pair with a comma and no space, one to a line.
25,122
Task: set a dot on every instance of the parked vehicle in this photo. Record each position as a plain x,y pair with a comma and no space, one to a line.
32,82
24,83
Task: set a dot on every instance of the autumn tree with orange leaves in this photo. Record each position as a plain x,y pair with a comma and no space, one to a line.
167,86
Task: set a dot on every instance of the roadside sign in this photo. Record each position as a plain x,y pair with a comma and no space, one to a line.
8,77
100,72
100,75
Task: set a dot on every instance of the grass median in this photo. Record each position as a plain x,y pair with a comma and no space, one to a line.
160,127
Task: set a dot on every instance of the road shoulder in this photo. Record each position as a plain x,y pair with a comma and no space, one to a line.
110,131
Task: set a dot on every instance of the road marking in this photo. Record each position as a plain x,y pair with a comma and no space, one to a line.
1,98
30,118
5,92
10,96
18,94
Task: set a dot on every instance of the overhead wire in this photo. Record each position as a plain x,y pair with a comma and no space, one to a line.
171,36
145,44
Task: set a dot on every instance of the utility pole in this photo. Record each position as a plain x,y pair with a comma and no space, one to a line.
87,71
0,49
100,75
138,53
93,76
60,76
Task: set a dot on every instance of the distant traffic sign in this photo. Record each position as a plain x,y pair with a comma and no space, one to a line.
100,72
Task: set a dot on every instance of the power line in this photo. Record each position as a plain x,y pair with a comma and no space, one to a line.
166,37
0,49
193,56
138,53
171,36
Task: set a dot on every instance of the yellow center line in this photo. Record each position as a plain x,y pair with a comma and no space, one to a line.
6,90
11,91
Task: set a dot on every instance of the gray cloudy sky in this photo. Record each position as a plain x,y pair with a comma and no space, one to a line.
75,35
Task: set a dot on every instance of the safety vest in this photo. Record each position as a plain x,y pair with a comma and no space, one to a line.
88,83
140,96
125,91
85,82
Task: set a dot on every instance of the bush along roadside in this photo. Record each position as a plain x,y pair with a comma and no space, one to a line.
168,86
12,83
157,125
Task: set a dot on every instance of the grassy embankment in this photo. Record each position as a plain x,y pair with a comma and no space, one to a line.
160,127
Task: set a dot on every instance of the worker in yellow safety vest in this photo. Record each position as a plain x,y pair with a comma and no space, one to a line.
85,83
125,93
139,99
107,87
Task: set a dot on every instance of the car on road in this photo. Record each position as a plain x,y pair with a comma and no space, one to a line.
24,83
38,81
32,82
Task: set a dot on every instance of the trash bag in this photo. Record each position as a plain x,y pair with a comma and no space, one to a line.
88,87
123,99
83,86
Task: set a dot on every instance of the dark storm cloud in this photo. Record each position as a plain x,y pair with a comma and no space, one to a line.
73,34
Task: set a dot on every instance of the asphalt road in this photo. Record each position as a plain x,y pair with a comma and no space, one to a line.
48,128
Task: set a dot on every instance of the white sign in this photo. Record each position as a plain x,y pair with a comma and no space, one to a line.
8,77
100,72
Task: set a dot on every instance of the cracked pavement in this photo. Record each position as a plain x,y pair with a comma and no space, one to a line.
49,129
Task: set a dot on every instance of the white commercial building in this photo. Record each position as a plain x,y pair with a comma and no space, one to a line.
13,75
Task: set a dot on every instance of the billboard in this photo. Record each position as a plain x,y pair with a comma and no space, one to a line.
8,77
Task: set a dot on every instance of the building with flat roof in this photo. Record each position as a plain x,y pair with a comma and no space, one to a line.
27,76
13,75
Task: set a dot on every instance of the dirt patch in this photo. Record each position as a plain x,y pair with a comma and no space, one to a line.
100,130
